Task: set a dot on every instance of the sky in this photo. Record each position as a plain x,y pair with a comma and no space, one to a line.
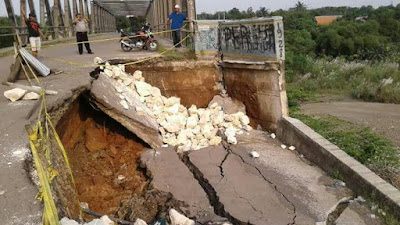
220,5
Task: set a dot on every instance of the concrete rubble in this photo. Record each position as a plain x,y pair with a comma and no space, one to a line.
179,219
104,220
31,96
187,128
14,94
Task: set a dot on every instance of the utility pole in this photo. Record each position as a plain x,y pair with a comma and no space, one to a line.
81,8
11,18
22,20
41,9
31,7
74,8
67,17
22,10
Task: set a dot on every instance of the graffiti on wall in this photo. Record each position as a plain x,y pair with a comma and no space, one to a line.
249,39
206,38
258,39
252,39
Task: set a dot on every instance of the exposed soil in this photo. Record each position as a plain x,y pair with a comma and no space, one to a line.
103,156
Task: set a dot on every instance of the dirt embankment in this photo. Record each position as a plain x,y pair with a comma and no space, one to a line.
103,156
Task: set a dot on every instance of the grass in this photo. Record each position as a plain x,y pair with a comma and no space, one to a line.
378,81
360,142
362,80
175,55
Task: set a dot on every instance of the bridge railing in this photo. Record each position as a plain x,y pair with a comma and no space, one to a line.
167,26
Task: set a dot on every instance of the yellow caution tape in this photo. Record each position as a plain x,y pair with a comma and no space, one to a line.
50,216
125,64
106,39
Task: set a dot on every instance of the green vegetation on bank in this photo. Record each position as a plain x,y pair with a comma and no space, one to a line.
369,81
360,142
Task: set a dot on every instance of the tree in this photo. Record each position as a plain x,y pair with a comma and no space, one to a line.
250,13
262,12
300,6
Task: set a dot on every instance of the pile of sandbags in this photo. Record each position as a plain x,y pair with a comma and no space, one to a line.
188,128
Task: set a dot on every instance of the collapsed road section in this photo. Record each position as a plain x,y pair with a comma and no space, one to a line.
125,168
159,139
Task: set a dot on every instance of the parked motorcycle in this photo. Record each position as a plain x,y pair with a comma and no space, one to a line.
142,40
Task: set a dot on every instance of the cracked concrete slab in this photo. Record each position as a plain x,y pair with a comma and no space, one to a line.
279,187
169,174
244,195
310,189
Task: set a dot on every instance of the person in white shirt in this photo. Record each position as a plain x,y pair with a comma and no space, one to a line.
81,29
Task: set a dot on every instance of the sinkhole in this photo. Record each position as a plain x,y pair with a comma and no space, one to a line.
104,155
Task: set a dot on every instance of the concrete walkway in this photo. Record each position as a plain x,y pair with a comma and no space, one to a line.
17,193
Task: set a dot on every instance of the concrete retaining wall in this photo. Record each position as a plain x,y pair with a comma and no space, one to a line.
333,160
259,87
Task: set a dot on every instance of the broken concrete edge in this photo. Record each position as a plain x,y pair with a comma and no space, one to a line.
332,160
59,107
161,63
219,208
150,178
151,137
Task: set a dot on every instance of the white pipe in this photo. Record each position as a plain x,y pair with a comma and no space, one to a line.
39,66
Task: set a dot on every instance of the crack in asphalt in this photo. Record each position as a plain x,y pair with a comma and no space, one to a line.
221,169
248,201
219,208
227,147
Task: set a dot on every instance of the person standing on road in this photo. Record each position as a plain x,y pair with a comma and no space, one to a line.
176,25
34,33
81,29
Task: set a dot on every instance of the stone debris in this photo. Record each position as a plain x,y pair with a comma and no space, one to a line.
140,222
124,104
31,96
360,199
104,220
66,221
340,183
283,146
187,128
14,94
292,148
98,60
179,219
273,136
84,205
254,154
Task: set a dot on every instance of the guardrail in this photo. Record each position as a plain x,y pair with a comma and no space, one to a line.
184,31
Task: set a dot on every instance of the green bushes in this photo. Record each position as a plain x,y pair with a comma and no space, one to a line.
369,81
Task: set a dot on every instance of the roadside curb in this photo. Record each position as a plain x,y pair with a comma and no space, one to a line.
332,159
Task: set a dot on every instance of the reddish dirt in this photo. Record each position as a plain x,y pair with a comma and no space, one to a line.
103,156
